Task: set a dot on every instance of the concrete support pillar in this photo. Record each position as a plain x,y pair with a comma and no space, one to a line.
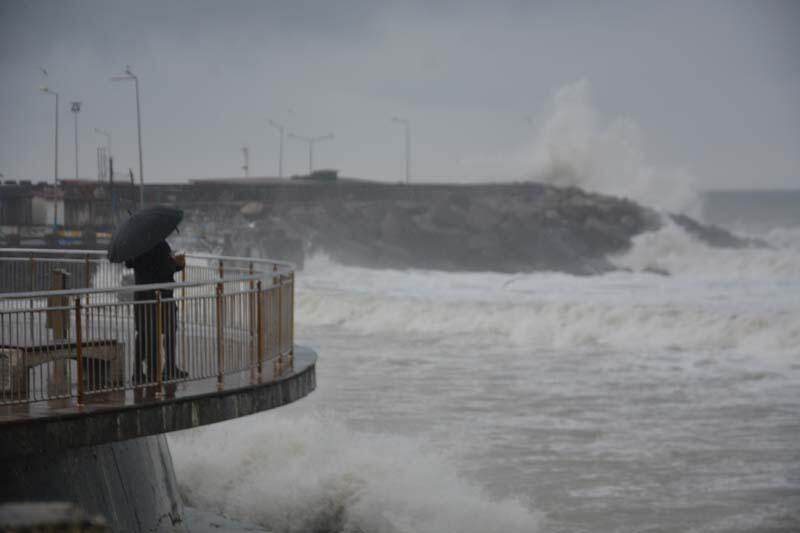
131,483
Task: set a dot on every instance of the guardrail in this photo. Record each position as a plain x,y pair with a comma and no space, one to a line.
72,324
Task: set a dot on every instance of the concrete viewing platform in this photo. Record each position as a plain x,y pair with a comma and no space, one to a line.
94,372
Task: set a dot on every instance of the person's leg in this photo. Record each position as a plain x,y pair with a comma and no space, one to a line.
152,342
139,326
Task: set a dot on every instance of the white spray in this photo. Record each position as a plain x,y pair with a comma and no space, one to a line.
579,146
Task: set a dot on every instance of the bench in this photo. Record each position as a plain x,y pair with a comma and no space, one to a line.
103,365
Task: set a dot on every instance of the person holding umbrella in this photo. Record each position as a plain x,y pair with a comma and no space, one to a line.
140,243
157,265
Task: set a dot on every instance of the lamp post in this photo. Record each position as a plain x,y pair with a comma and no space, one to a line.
130,76
407,125
311,142
281,129
76,108
55,165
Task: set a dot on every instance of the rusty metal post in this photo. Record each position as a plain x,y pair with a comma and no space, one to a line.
33,288
252,319
79,348
260,326
159,369
221,269
276,286
291,323
220,337
280,324
183,350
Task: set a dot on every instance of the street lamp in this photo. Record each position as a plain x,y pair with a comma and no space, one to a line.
281,129
55,178
130,76
407,125
311,141
76,108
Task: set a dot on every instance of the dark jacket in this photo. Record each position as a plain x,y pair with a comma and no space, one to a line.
154,266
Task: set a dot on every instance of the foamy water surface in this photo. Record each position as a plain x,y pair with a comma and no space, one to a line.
532,402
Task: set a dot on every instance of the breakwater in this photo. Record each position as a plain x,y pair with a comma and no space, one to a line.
511,227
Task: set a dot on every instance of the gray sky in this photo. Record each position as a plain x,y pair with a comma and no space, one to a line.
709,91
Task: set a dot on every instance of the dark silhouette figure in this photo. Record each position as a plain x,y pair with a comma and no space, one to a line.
157,265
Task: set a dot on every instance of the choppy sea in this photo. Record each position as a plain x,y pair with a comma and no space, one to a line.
477,402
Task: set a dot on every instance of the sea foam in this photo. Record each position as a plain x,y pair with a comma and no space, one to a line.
712,299
293,471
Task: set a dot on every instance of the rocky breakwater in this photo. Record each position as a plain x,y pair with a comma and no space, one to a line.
518,227
514,228
521,227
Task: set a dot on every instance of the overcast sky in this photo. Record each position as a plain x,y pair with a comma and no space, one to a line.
709,91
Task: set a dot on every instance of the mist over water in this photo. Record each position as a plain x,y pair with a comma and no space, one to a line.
531,402
577,144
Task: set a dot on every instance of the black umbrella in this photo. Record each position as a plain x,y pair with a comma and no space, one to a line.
142,232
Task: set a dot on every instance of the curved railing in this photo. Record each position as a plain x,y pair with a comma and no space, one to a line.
72,324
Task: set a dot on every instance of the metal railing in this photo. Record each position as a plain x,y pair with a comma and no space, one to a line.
72,324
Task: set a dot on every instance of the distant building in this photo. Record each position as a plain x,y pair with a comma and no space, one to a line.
77,204
25,204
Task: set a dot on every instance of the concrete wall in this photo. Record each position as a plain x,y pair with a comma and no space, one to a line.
131,483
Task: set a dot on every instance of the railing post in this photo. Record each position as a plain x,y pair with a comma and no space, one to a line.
221,269
278,282
252,319
220,337
159,367
291,322
86,282
79,348
33,288
260,326
58,320
87,275
183,350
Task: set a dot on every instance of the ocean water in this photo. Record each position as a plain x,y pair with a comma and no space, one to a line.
477,402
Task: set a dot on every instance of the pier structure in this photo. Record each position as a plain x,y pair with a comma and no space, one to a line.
92,375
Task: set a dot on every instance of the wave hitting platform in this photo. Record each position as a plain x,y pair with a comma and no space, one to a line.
94,370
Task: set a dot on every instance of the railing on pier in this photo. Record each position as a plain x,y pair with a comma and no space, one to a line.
73,325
